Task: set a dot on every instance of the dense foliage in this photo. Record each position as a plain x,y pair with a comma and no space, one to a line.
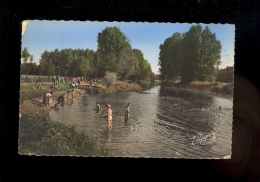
114,54
226,75
195,55
41,136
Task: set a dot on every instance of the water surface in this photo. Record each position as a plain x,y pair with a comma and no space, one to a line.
162,124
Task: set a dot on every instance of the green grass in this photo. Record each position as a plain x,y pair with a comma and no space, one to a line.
27,92
63,86
41,136
31,93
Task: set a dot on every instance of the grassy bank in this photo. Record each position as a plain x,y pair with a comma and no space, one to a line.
41,136
27,91
210,87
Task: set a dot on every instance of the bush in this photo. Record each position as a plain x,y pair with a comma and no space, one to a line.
110,78
41,136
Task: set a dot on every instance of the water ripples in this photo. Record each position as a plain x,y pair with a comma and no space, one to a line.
162,123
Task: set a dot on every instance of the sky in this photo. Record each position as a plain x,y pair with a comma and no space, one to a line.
50,35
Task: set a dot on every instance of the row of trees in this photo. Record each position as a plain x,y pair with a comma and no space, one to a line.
194,55
114,54
226,75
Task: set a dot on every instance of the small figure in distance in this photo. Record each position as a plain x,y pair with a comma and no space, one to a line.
37,85
72,95
127,112
57,105
109,116
64,98
98,106
219,107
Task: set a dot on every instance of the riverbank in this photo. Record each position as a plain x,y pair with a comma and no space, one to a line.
31,99
120,86
38,135
208,87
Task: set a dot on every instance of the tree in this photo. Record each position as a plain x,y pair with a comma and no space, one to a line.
210,56
194,56
129,63
191,54
31,58
81,66
145,72
25,54
226,75
170,57
111,41
24,67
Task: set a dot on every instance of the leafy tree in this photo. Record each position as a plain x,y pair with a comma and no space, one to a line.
191,54
25,54
24,67
210,56
129,63
170,57
31,58
226,75
145,72
111,41
81,66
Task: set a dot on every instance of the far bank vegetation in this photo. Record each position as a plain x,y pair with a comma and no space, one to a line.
191,61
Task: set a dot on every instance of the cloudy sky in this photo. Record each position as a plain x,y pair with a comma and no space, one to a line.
50,35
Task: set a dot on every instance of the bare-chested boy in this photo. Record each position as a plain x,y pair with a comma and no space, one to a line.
109,116
127,111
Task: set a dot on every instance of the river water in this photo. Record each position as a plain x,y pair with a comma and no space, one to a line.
164,123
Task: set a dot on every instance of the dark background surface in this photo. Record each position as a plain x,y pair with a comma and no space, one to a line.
14,167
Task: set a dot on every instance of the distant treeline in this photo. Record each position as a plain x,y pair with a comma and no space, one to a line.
226,75
192,56
114,54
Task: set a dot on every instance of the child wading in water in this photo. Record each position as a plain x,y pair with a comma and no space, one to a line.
127,112
109,116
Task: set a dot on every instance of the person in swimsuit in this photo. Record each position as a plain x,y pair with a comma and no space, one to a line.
127,112
109,116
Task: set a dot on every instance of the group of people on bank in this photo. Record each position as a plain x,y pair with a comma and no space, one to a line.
62,99
110,112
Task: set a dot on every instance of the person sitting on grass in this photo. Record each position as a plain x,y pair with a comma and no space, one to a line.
37,85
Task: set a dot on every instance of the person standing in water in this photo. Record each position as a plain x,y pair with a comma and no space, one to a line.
109,116
127,112
98,106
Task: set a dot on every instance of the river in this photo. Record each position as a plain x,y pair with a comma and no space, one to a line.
164,123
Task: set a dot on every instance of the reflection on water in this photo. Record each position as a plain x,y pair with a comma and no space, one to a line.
163,122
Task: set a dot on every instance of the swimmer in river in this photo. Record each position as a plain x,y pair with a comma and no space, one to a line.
98,106
127,112
109,116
